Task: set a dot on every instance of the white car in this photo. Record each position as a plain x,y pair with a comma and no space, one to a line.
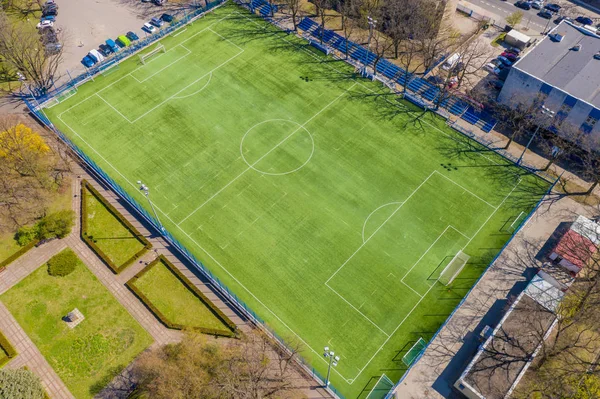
537,5
148,28
44,24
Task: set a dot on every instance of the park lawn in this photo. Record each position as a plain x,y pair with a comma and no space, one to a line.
61,200
174,300
118,242
88,356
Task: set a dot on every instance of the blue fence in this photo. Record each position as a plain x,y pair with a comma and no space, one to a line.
422,91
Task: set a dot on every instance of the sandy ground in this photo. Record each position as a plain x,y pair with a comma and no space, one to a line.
88,23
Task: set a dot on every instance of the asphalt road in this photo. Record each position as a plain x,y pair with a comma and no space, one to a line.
505,8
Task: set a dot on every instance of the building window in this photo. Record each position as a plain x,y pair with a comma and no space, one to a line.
591,121
562,113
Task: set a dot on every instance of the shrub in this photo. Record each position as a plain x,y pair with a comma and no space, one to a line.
22,384
63,263
57,224
26,235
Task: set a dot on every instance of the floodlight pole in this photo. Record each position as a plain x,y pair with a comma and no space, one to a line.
333,361
146,191
371,23
546,112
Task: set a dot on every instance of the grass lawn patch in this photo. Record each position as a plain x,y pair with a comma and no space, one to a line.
88,356
107,232
499,39
176,301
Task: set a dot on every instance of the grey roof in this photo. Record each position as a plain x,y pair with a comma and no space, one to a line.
574,72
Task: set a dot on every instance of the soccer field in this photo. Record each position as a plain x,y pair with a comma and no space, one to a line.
308,191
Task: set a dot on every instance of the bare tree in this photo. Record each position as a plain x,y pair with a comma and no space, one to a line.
294,8
23,50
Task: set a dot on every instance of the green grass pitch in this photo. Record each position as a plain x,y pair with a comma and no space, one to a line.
310,192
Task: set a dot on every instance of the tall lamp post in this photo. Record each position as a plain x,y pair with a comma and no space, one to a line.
146,191
371,23
546,112
333,361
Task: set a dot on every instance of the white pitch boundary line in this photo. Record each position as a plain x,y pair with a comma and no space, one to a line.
251,167
110,105
359,312
467,190
163,68
383,224
424,253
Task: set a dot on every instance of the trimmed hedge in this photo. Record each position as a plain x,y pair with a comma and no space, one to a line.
116,269
18,254
7,348
232,332
63,263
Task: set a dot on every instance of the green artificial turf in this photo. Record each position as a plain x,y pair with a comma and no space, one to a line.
111,235
174,300
87,357
314,195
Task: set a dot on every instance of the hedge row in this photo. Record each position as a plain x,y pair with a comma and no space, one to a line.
6,347
17,254
116,269
232,332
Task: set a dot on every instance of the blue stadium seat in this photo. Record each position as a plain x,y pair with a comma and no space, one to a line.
470,115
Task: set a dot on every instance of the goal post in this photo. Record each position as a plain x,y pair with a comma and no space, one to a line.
381,389
158,49
454,268
414,352
60,97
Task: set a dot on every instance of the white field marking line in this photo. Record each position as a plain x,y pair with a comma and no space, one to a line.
469,191
412,289
383,224
460,232
251,167
318,353
179,33
358,310
124,76
116,110
163,68
224,38
425,253
372,213
196,92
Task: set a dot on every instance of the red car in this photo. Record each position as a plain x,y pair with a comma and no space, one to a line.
509,56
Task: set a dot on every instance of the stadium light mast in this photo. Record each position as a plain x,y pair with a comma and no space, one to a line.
549,114
333,361
371,23
146,191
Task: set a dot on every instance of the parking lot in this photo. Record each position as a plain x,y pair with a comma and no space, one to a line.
85,24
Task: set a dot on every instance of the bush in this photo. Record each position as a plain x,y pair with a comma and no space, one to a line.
63,263
57,224
22,384
26,235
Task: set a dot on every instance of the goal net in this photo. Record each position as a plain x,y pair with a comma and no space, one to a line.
414,352
381,389
158,49
60,98
453,269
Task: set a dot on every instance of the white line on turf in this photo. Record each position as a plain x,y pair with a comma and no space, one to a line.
467,190
163,68
197,91
267,153
424,253
110,105
372,213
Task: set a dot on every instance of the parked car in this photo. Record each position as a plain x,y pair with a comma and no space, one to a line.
167,18
157,22
44,24
496,84
53,48
494,64
510,56
104,50
435,79
95,54
545,14
48,35
112,45
537,5
132,36
523,5
49,18
123,41
504,61
562,18
148,28
584,20
160,2
88,61
47,13
552,7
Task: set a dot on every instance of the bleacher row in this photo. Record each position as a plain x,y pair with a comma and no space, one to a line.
454,104
264,8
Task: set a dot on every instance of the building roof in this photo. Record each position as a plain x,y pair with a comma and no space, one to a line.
575,248
522,37
587,228
506,355
544,293
574,72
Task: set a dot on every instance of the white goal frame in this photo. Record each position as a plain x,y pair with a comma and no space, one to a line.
459,256
373,394
159,48
61,97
